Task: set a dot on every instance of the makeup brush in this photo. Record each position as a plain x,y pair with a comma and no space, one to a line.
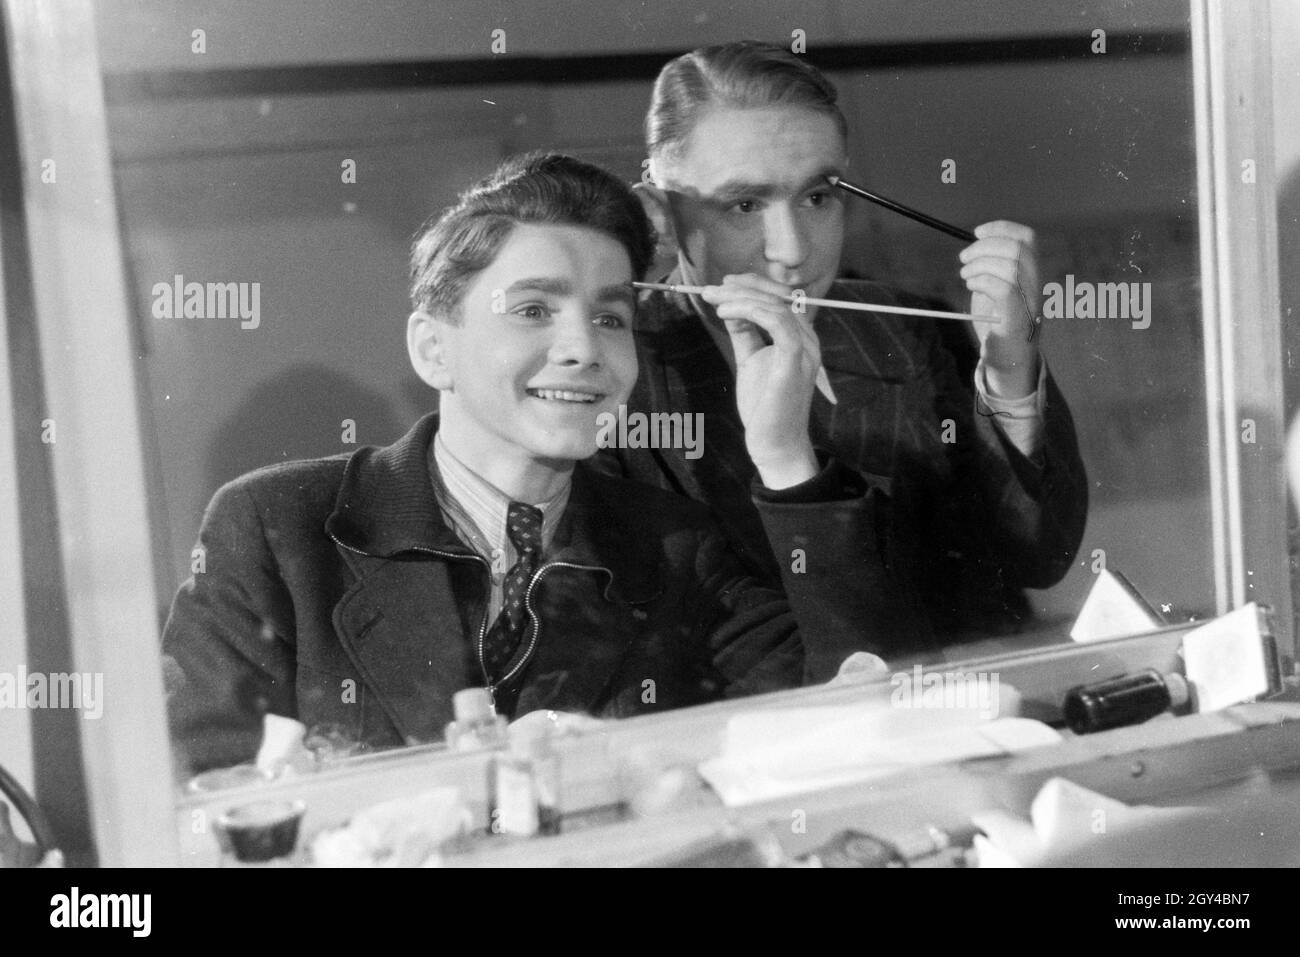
897,207
920,217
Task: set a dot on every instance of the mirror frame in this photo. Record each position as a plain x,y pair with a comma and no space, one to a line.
89,365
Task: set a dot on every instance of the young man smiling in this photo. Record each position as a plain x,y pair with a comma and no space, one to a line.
987,491
365,590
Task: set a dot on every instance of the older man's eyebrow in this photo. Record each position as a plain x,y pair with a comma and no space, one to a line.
734,189
821,178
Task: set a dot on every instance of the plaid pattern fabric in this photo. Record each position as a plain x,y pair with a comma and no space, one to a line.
524,528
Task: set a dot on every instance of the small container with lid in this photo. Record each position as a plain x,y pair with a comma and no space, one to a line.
261,832
524,784
1129,699
477,725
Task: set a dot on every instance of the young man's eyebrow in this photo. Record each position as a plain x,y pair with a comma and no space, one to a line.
621,292
552,286
545,284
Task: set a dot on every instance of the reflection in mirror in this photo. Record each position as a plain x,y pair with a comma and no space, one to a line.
300,169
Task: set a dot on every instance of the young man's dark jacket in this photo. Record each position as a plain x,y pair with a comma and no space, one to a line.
333,591
971,521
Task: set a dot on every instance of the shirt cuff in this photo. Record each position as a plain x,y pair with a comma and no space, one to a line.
834,483
1021,421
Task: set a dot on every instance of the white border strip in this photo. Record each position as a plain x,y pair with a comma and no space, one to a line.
1220,405
84,322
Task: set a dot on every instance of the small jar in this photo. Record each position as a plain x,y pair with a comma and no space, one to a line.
477,725
262,832
524,785
1130,699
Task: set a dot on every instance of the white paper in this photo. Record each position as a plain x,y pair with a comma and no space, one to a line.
777,753
1224,660
1111,612
1063,816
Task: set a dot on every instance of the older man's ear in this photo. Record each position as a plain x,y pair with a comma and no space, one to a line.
428,343
656,204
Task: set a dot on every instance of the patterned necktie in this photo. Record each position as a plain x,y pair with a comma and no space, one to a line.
524,526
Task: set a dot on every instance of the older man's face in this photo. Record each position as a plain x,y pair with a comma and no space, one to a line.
748,194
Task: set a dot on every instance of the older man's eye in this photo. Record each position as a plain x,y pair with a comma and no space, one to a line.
745,206
818,198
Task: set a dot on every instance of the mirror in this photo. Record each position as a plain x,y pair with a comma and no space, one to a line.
298,157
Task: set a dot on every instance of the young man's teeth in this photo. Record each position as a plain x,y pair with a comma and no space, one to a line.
564,395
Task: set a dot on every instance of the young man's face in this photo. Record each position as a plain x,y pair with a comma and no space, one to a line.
544,346
748,194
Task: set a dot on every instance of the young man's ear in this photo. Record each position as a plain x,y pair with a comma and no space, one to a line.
655,202
427,346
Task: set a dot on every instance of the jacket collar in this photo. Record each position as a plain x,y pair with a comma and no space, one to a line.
386,505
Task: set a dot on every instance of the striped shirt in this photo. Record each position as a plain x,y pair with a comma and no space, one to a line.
476,510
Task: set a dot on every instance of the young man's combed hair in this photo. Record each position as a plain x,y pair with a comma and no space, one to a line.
536,188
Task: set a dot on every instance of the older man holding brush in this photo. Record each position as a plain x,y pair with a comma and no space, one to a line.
986,494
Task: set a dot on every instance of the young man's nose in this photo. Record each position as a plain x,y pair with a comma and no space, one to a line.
576,342
785,241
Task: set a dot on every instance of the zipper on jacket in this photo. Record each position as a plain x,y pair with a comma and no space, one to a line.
482,628
532,614
490,685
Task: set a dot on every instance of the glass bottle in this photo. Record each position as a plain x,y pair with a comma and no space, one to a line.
1130,699
477,725
524,785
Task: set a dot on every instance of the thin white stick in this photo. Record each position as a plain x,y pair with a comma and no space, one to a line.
823,380
837,304
824,385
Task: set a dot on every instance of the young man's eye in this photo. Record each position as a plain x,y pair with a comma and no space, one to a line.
612,320
532,310
818,197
